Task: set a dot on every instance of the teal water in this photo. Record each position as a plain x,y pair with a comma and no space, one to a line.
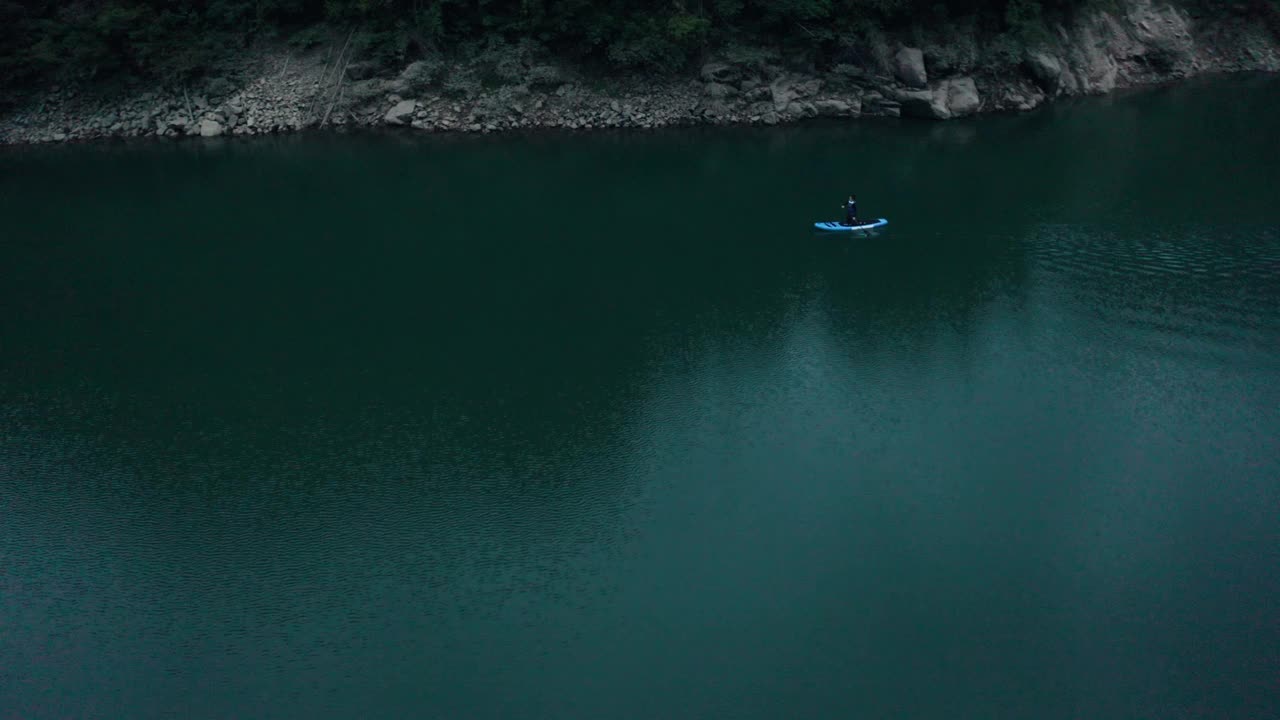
593,426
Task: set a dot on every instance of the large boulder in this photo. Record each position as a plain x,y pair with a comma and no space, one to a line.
908,66
962,97
808,88
1161,37
927,104
948,99
1094,66
210,128
781,92
401,114
1045,68
787,88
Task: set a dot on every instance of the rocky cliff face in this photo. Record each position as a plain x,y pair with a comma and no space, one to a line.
1146,42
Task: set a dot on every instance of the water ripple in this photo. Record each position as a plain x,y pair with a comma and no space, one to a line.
1195,291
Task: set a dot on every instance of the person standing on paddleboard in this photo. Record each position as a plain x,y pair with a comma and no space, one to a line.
851,210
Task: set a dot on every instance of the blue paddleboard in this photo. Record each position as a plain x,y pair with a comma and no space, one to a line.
841,227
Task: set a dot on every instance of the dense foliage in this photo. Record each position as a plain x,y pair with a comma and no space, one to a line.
171,39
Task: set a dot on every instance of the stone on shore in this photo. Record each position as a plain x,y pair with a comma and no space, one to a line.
402,113
1046,69
833,108
962,97
908,66
926,104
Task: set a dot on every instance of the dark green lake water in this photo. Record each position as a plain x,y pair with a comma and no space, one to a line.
595,427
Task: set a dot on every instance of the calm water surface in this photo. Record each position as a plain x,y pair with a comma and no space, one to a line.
594,427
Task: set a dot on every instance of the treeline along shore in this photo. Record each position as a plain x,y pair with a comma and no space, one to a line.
166,68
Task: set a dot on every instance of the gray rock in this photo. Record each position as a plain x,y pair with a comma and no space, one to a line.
717,72
786,88
833,108
714,109
928,104
720,91
908,66
1045,68
800,109
1022,101
210,128
962,97
401,114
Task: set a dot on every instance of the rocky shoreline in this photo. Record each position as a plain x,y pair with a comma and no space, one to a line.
276,91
